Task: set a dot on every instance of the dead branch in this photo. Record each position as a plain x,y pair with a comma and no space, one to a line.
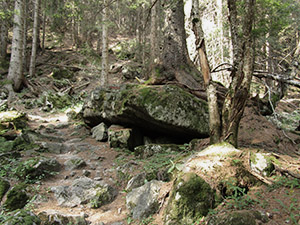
223,64
278,77
286,171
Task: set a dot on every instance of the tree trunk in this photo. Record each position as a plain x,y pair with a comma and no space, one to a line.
34,38
4,31
238,93
44,28
104,72
3,39
211,91
154,41
25,29
15,75
174,64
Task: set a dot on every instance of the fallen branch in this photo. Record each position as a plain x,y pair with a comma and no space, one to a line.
278,77
285,171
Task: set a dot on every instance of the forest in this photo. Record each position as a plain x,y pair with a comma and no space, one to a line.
117,112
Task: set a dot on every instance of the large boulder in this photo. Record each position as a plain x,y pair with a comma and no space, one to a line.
143,201
191,199
84,191
167,109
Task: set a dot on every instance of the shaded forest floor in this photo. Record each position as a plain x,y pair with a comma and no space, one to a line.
71,76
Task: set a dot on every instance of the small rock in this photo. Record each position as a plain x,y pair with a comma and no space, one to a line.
120,137
73,174
62,125
53,147
99,132
119,210
86,173
74,163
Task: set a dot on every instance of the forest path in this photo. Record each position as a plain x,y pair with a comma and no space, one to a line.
76,141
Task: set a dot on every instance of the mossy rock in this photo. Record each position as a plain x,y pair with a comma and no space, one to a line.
16,198
104,195
4,186
23,217
12,120
190,200
75,163
245,217
167,110
52,218
37,168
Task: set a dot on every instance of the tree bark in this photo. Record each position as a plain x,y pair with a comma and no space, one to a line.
15,75
104,72
44,27
34,38
3,32
154,41
243,51
174,63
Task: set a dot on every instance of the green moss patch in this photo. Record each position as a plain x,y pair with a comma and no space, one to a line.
16,198
4,186
190,200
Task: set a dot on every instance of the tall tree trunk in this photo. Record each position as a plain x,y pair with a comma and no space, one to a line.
243,51
34,38
104,72
3,38
4,31
15,75
25,29
174,64
44,27
211,91
154,40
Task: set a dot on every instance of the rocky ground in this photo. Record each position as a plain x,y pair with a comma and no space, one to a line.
66,176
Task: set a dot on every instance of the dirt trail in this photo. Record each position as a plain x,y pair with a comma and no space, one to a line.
100,162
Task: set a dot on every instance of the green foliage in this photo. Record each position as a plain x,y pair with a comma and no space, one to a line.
282,181
125,50
293,210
